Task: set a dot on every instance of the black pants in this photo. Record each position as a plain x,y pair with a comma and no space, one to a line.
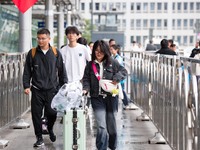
42,100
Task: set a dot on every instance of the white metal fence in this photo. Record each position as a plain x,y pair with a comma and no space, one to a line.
167,89
13,102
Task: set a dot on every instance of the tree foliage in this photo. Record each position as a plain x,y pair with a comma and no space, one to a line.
86,33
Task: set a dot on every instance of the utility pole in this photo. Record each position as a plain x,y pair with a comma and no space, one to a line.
150,34
91,18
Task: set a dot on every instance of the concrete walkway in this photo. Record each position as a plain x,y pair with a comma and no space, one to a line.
132,134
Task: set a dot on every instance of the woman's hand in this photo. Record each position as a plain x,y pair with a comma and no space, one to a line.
114,82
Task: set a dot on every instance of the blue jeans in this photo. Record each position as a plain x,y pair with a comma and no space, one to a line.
104,112
125,100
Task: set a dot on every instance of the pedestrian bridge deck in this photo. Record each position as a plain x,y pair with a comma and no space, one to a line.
132,134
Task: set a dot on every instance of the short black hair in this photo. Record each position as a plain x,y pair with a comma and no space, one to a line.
164,43
82,40
72,29
111,40
171,41
90,43
116,47
43,31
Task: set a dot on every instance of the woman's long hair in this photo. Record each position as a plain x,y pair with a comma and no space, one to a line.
104,49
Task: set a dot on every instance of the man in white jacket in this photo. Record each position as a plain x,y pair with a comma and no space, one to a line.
75,55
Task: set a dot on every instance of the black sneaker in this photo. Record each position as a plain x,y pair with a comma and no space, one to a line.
39,142
52,136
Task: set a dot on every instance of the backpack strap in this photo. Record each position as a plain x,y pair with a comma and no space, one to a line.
33,51
54,51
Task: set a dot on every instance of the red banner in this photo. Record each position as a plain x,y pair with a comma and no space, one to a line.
24,5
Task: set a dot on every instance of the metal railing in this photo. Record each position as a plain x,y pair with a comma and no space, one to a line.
167,90
12,99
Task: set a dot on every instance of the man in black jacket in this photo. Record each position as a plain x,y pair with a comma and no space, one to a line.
43,74
164,48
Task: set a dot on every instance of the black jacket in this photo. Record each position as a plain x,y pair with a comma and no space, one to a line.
166,51
44,71
113,71
194,52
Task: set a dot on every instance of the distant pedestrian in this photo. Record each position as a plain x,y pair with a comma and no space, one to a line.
135,47
115,50
150,46
196,49
165,50
91,44
111,42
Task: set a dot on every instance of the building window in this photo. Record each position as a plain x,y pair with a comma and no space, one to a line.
145,7
179,6
138,6
173,37
118,6
138,23
179,23
191,6
96,6
124,23
132,6
145,23
198,5
138,39
174,6
104,6
152,7
132,23
185,40
191,23
179,39
82,6
173,23
124,6
152,23
165,6
111,6
185,23
191,39
118,22
90,6
185,7
159,6
165,23
132,39
159,23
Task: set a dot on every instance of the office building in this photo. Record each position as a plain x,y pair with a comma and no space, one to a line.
141,20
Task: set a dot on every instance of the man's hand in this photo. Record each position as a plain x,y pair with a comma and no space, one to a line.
85,92
27,91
